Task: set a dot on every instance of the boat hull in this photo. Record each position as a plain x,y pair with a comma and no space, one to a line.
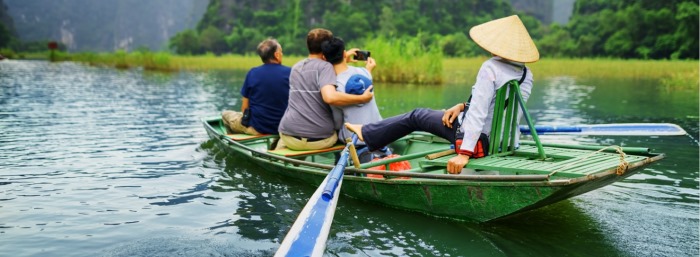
473,200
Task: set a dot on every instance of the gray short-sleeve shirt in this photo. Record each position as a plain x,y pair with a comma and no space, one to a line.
307,115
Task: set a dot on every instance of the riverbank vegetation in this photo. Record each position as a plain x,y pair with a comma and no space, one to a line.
406,61
674,73
624,29
392,68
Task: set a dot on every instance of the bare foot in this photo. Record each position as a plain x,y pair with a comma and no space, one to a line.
357,129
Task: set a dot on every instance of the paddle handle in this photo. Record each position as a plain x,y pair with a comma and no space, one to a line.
353,155
335,176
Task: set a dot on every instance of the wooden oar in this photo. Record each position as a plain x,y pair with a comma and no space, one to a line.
617,129
309,233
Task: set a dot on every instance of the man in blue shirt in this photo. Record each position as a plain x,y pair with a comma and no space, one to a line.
265,94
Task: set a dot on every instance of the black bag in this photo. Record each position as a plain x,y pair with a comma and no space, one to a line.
245,121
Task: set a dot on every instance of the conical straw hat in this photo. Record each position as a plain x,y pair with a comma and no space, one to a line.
506,37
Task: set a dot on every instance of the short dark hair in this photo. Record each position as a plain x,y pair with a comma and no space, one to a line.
315,38
333,49
267,49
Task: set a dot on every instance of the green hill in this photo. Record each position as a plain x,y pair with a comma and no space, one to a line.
637,29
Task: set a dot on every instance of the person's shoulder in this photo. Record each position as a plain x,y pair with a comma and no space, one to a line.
345,75
276,68
320,63
363,71
491,62
284,69
257,71
257,68
355,69
300,63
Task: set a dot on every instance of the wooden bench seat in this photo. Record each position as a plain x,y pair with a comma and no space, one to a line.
246,137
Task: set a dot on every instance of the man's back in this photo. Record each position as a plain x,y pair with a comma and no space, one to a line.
267,88
307,115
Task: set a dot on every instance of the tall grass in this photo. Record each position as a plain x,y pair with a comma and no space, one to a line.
406,60
223,62
123,60
668,72
8,53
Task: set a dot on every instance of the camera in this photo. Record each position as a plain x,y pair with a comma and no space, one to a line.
361,55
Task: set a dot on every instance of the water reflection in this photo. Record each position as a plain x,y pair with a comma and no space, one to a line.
267,204
559,101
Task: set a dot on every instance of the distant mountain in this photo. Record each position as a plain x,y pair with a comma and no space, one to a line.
547,11
7,28
104,25
6,19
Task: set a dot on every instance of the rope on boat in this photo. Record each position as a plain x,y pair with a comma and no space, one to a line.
621,168
623,163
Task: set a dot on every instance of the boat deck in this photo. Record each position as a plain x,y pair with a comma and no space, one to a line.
560,162
563,162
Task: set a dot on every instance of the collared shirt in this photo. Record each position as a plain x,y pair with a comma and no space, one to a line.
267,88
493,74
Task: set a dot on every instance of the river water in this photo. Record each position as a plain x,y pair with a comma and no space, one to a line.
104,162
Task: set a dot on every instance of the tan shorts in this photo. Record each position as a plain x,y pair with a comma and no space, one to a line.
304,144
232,120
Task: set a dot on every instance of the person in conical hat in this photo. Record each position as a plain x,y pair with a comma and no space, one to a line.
510,44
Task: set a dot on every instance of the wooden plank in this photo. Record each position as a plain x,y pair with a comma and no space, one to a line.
610,163
562,158
593,159
246,137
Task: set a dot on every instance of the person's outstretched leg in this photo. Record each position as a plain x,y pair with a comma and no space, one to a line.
378,134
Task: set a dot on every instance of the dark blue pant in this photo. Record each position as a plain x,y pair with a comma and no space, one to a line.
381,133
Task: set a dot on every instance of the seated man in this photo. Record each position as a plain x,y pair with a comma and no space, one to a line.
308,123
510,43
265,93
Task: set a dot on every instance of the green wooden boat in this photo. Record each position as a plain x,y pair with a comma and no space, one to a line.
507,182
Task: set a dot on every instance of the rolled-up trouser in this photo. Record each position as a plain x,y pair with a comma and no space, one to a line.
378,134
232,120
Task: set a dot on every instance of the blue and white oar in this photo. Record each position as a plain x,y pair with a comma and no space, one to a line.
619,129
309,233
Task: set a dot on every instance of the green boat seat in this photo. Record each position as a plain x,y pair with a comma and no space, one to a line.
505,121
298,153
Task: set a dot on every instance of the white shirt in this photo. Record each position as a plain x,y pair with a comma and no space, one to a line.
493,74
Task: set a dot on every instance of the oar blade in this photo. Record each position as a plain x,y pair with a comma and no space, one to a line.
618,129
309,233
